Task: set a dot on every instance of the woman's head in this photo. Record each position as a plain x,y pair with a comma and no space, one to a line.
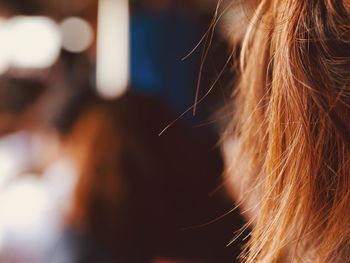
291,130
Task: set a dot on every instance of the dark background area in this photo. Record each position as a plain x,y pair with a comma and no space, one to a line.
134,196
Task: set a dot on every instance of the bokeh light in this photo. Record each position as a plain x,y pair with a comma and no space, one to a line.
35,42
77,34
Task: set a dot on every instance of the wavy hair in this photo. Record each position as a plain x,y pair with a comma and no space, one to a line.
291,131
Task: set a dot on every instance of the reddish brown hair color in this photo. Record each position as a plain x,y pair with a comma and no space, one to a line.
291,161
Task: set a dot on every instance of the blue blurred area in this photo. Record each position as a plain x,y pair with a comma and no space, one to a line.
159,41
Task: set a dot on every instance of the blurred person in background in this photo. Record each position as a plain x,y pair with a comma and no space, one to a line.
134,197
118,191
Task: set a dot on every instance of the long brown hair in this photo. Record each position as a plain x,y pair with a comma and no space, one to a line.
291,131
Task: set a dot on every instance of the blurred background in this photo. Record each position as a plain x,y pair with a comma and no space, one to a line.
86,87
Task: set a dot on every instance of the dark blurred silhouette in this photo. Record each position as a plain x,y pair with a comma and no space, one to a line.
137,193
17,98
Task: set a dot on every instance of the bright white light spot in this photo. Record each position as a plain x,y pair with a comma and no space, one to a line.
112,48
14,156
35,42
7,167
4,47
77,34
22,203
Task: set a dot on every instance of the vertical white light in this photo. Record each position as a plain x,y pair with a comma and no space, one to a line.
112,73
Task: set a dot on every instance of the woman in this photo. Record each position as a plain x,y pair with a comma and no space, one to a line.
290,134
